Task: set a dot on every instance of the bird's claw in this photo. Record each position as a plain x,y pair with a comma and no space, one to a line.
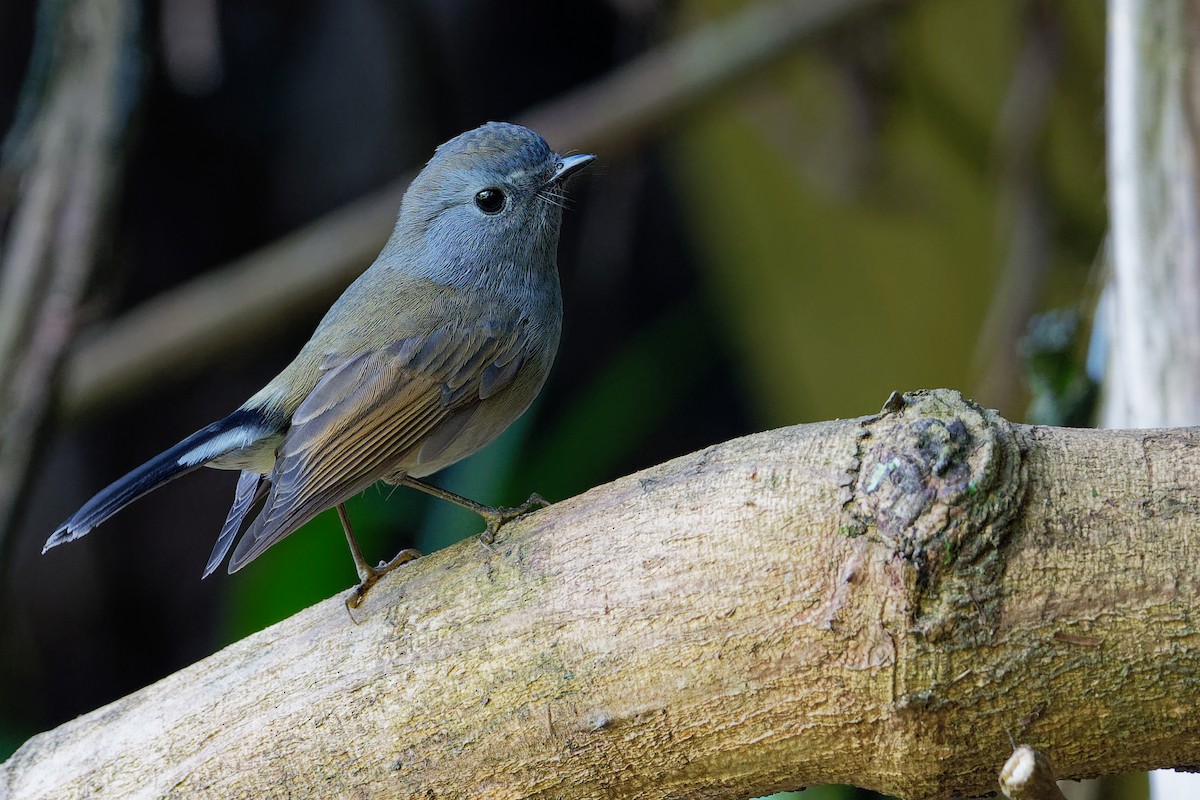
369,576
502,516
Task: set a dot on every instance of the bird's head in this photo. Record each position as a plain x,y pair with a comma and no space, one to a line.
489,198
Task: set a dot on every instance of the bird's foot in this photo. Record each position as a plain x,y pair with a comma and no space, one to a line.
368,576
498,517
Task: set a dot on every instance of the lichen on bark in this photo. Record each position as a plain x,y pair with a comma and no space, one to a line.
940,481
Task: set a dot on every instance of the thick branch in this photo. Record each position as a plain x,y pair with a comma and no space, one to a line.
879,601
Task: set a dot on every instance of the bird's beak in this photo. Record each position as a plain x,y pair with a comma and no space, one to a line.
569,165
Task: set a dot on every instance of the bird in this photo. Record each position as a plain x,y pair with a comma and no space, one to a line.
430,354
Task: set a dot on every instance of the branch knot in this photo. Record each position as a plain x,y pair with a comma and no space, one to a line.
939,480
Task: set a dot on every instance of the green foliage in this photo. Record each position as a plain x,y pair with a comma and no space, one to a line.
847,205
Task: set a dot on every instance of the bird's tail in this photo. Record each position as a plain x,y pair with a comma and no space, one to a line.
240,429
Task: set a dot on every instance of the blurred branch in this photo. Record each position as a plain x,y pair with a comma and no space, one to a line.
1151,304
1023,209
180,331
873,601
59,173
1153,326
1027,775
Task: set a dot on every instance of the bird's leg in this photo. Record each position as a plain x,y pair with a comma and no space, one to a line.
365,571
494,516
367,575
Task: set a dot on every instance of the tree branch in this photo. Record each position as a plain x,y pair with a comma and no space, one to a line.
878,601
1027,775
1153,295
61,164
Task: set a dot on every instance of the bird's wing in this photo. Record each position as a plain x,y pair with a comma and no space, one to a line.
369,409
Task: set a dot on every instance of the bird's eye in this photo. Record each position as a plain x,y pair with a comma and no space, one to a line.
490,201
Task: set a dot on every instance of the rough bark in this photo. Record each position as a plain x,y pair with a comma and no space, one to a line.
879,601
1150,313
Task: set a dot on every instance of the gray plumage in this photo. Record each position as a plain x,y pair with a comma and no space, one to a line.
429,355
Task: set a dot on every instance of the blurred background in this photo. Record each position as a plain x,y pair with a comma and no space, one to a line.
797,208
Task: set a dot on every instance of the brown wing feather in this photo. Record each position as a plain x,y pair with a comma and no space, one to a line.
363,416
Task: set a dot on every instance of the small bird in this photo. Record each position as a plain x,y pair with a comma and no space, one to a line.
429,355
